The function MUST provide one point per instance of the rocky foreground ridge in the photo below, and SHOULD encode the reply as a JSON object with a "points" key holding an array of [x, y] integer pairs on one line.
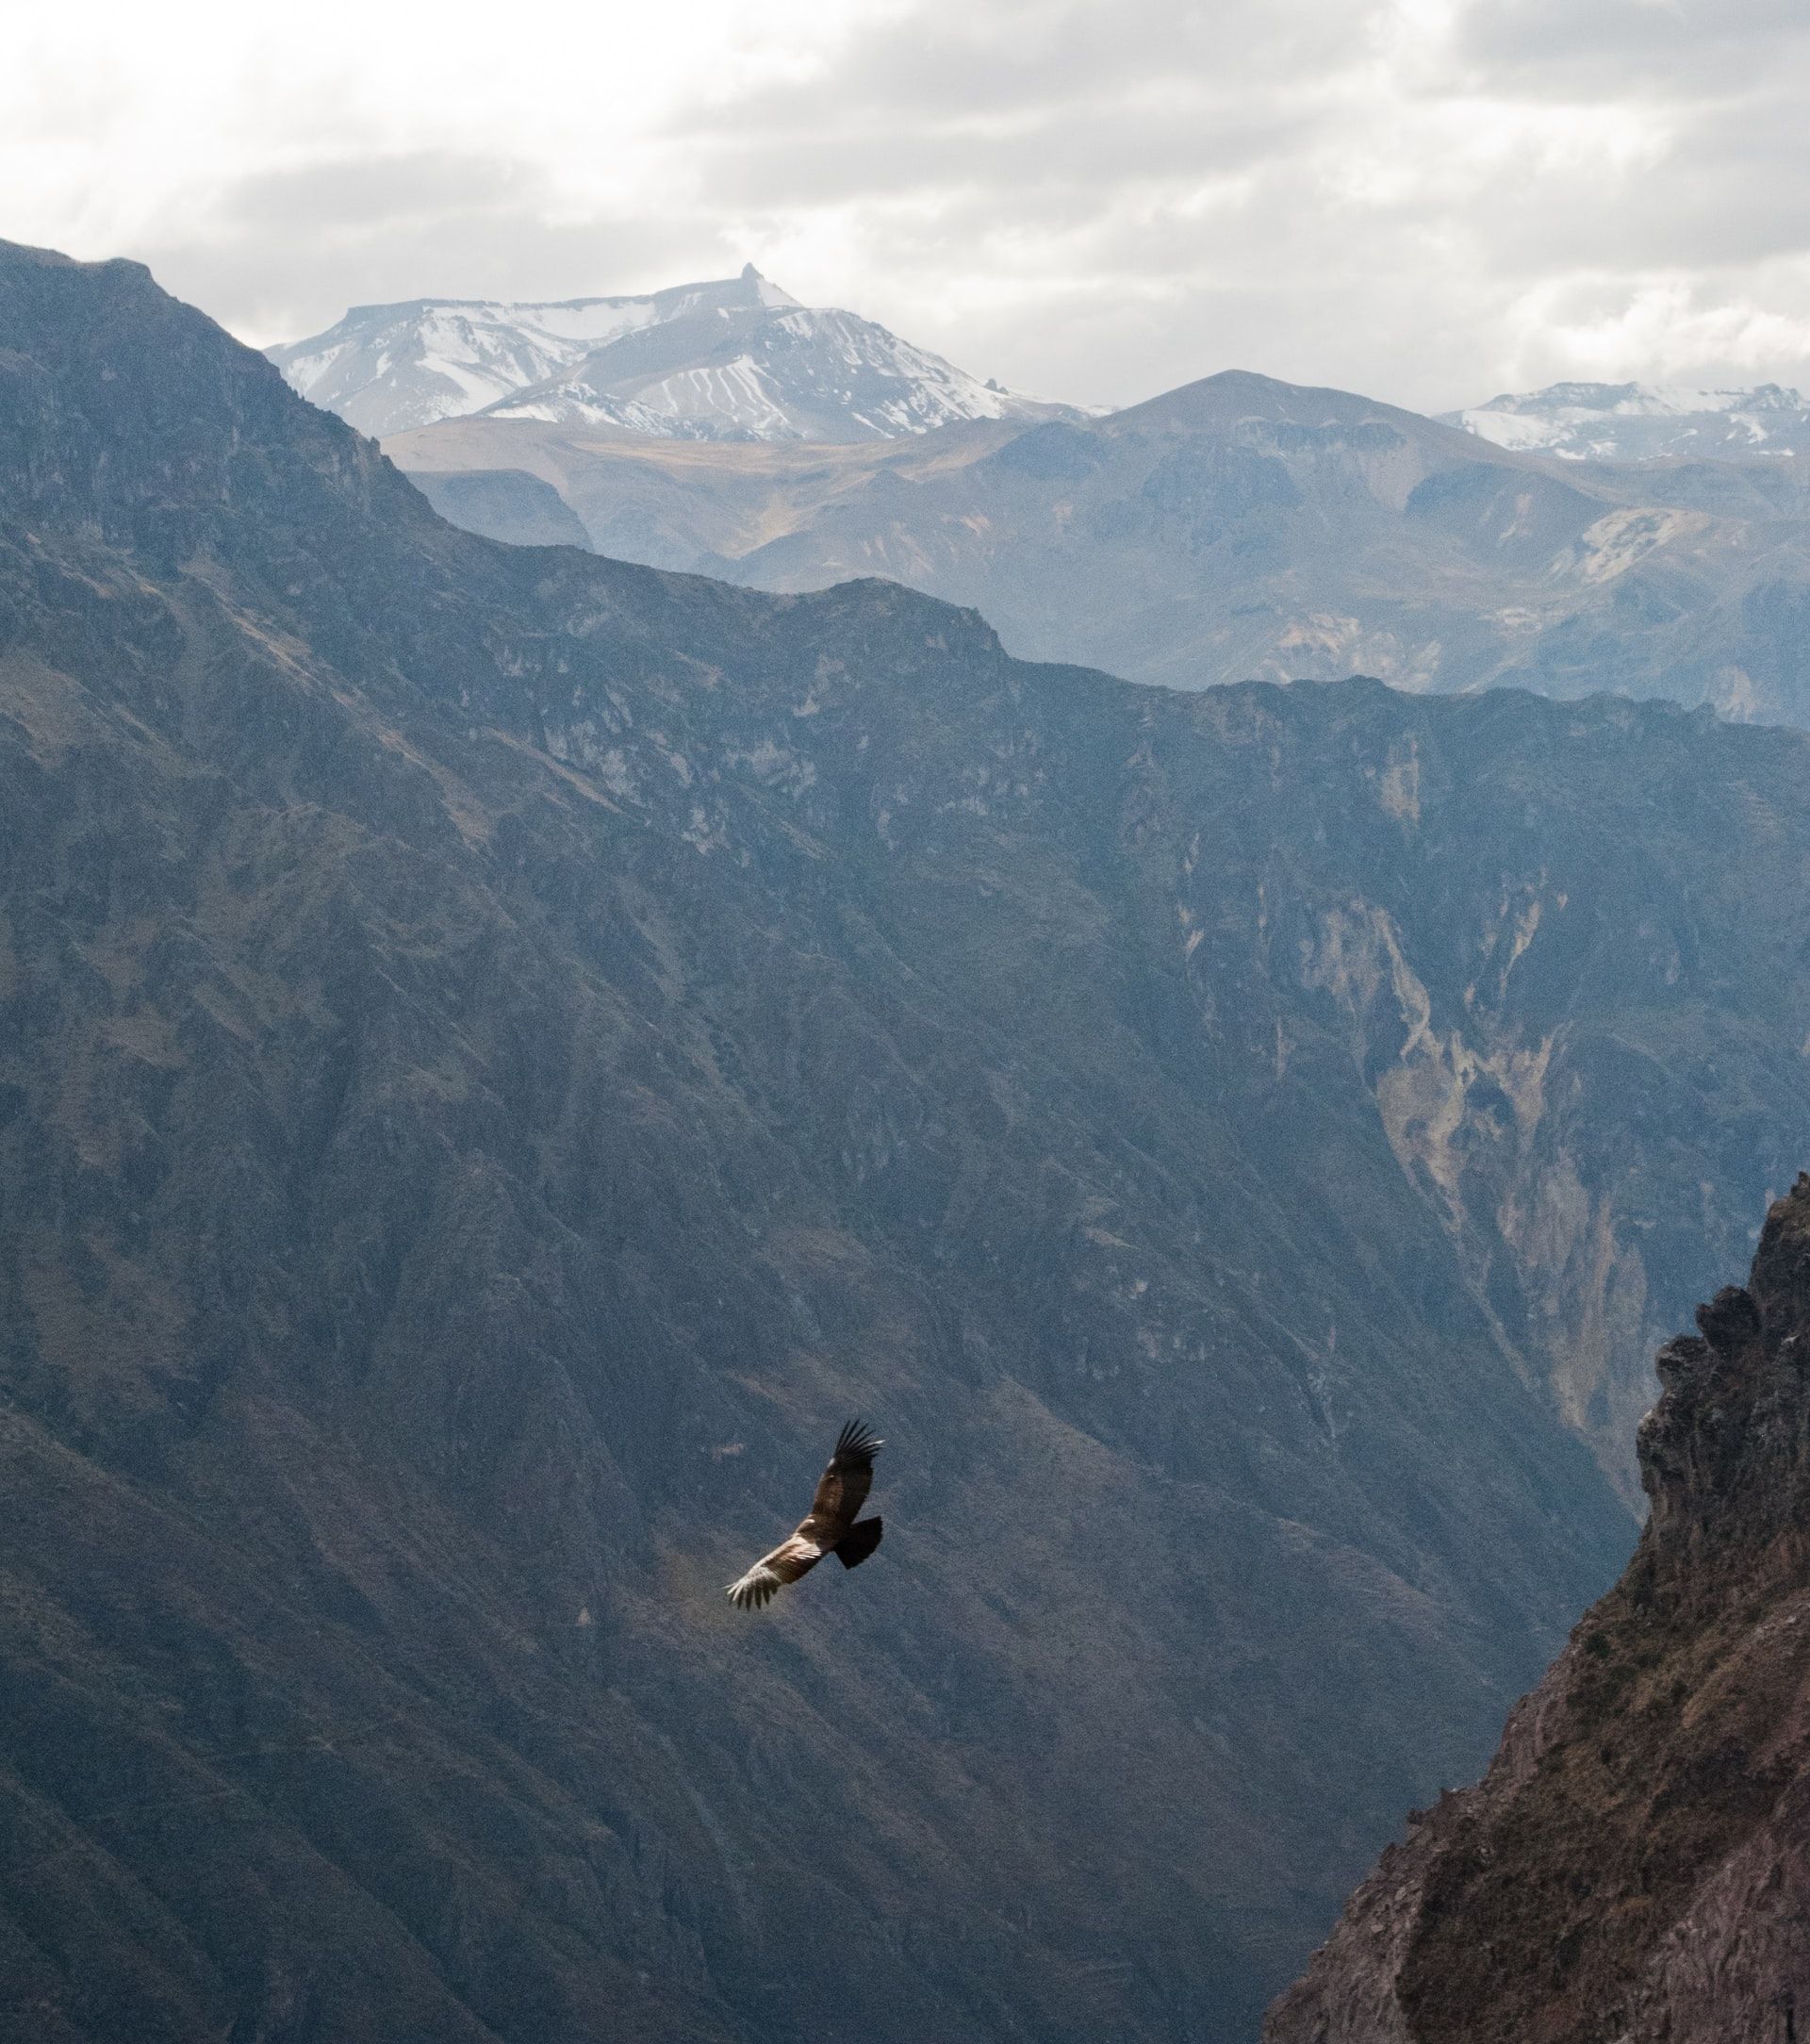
{"points": [[1635, 1869]]}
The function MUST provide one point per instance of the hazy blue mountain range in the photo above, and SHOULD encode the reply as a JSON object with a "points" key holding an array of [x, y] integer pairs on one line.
{"points": [[502, 1051], [738, 359], [1238, 528], [505, 501], [1636, 422]]}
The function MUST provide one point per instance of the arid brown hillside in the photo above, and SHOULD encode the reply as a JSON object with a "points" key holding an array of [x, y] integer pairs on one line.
{"points": [[1635, 1869]]}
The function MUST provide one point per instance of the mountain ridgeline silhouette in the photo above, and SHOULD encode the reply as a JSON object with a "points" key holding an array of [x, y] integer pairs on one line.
{"points": [[1239, 528]]}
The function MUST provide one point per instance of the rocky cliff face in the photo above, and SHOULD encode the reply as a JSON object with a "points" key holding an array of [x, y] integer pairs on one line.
{"points": [[1635, 1865], [501, 1053]]}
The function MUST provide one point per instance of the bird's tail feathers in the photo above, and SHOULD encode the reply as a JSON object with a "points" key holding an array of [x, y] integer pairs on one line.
{"points": [[857, 1542]]}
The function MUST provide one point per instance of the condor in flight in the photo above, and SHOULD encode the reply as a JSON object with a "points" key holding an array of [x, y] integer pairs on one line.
{"points": [[832, 1527]]}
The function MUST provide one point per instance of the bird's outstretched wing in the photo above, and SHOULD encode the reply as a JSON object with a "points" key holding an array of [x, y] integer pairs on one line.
{"points": [[842, 1490], [772, 1572]]}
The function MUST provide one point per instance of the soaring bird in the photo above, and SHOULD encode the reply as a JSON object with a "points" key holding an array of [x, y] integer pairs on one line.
{"points": [[832, 1527]]}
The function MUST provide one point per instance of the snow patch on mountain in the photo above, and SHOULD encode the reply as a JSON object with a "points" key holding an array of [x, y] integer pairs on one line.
{"points": [[735, 359], [1637, 421]]}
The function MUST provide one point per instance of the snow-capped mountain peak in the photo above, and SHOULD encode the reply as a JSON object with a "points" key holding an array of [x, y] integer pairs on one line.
{"points": [[771, 293], [738, 358], [1638, 421]]}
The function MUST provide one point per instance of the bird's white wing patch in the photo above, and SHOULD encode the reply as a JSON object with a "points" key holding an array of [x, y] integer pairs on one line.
{"points": [[754, 1588]]}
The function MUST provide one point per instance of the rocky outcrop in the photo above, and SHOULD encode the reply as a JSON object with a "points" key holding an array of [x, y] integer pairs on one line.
{"points": [[1634, 1868]]}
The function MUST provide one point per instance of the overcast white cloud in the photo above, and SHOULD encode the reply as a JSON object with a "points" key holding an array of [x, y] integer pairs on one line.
{"points": [[1428, 200]]}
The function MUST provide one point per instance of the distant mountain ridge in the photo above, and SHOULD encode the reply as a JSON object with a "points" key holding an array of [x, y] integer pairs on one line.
{"points": [[1637, 421], [1238, 527], [737, 359]]}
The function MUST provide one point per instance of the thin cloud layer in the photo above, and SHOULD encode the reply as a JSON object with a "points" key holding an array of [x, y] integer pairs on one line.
{"points": [[1429, 199]]}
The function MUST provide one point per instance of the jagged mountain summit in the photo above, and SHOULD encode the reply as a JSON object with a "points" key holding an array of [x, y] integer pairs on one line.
{"points": [[1635, 1865], [738, 359], [1637, 421]]}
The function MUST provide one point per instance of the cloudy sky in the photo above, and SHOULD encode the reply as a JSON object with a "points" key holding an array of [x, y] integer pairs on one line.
{"points": [[1426, 200]]}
